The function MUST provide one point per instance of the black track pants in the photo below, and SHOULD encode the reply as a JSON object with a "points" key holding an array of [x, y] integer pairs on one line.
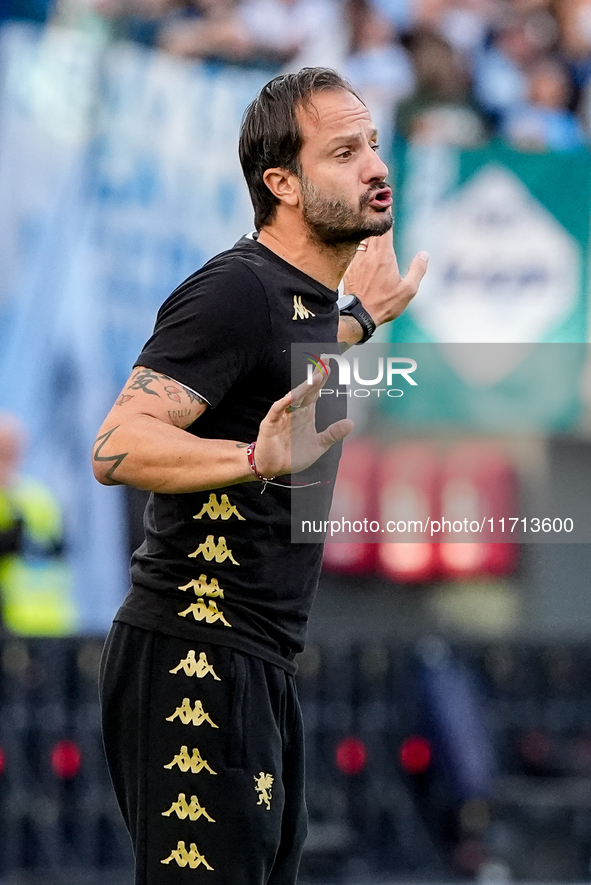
{"points": [[205, 749]]}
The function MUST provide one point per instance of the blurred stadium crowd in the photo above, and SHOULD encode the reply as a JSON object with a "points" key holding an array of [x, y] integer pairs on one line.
{"points": [[456, 72]]}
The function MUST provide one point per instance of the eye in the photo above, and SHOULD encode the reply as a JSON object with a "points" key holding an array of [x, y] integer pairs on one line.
{"points": [[344, 155], [375, 147]]}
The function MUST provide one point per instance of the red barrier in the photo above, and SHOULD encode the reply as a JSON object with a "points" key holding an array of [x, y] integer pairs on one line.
{"points": [[478, 490], [354, 500], [408, 498]]}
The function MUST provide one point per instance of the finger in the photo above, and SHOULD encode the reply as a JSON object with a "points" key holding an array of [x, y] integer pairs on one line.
{"points": [[308, 392], [417, 270], [335, 433], [303, 394]]}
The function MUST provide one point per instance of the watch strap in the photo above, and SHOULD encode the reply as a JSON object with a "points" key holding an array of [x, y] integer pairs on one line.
{"points": [[356, 310]]}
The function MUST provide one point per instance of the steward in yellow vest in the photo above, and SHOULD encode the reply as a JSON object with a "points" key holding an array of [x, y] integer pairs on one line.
{"points": [[35, 581]]}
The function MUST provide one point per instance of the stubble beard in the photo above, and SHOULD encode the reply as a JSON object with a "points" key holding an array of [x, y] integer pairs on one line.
{"points": [[334, 222]]}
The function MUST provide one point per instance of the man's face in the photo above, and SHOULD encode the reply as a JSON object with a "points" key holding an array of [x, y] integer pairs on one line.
{"points": [[344, 194]]}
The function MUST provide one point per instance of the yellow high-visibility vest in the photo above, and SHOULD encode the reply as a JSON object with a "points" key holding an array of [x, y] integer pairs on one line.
{"points": [[35, 583]]}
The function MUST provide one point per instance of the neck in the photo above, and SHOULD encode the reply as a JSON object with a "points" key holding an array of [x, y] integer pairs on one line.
{"points": [[293, 243]]}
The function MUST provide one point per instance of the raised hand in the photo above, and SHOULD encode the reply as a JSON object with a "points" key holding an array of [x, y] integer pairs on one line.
{"points": [[288, 440], [375, 278]]}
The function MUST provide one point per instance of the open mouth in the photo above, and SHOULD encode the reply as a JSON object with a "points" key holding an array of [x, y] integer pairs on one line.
{"points": [[381, 199]]}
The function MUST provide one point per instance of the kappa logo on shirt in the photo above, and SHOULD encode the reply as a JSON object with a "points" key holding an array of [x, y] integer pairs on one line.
{"points": [[300, 311], [210, 549], [214, 508]]}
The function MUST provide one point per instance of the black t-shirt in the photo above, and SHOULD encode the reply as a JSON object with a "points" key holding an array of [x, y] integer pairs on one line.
{"points": [[219, 565]]}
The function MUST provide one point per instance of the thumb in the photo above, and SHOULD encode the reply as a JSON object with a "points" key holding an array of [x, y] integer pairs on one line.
{"points": [[335, 433], [417, 270]]}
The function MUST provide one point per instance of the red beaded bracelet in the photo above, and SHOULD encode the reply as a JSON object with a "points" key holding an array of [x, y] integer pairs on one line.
{"points": [[268, 480], [252, 464]]}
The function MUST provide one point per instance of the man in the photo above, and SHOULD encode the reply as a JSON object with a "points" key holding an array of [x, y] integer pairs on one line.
{"points": [[201, 723], [35, 581]]}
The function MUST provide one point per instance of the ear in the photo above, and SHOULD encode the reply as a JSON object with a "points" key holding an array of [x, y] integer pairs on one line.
{"points": [[283, 185]]}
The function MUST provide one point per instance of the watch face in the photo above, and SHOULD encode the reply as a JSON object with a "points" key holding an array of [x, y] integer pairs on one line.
{"points": [[346, 301]]}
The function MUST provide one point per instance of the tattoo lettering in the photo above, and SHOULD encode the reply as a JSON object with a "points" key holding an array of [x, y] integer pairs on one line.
{"points": [[124, 398], [117, 459], [142, 380], [180, 414]]}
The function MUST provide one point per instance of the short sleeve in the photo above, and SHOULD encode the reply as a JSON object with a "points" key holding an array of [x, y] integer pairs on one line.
{"points": [[212, 330]]}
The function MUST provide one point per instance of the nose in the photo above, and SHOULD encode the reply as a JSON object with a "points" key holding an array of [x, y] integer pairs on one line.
{"points": [[375, 169]]}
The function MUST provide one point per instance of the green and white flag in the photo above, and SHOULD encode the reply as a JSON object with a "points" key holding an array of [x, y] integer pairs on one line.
{"points": [[508, 237]]}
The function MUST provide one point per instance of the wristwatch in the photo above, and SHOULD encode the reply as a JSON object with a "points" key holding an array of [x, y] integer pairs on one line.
{"points": [[351, 306]]}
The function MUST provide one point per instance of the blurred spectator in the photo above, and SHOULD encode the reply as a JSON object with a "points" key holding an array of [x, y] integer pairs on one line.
{"points": [[210, 29], [378, 66], [544, 121], [574, 17], [500, 78], [282, 32], [34, 580], [142, 21], [471, 63], [442, 109], [463, 23], [400, 12]]}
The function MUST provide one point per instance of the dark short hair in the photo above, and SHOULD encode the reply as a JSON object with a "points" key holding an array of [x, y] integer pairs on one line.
{"points": [[270, 135]]}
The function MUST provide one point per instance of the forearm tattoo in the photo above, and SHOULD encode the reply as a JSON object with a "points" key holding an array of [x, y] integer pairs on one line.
{"points": [[194, 397], [116, 459], [143, 379], [179, 415], [156, 384]]}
